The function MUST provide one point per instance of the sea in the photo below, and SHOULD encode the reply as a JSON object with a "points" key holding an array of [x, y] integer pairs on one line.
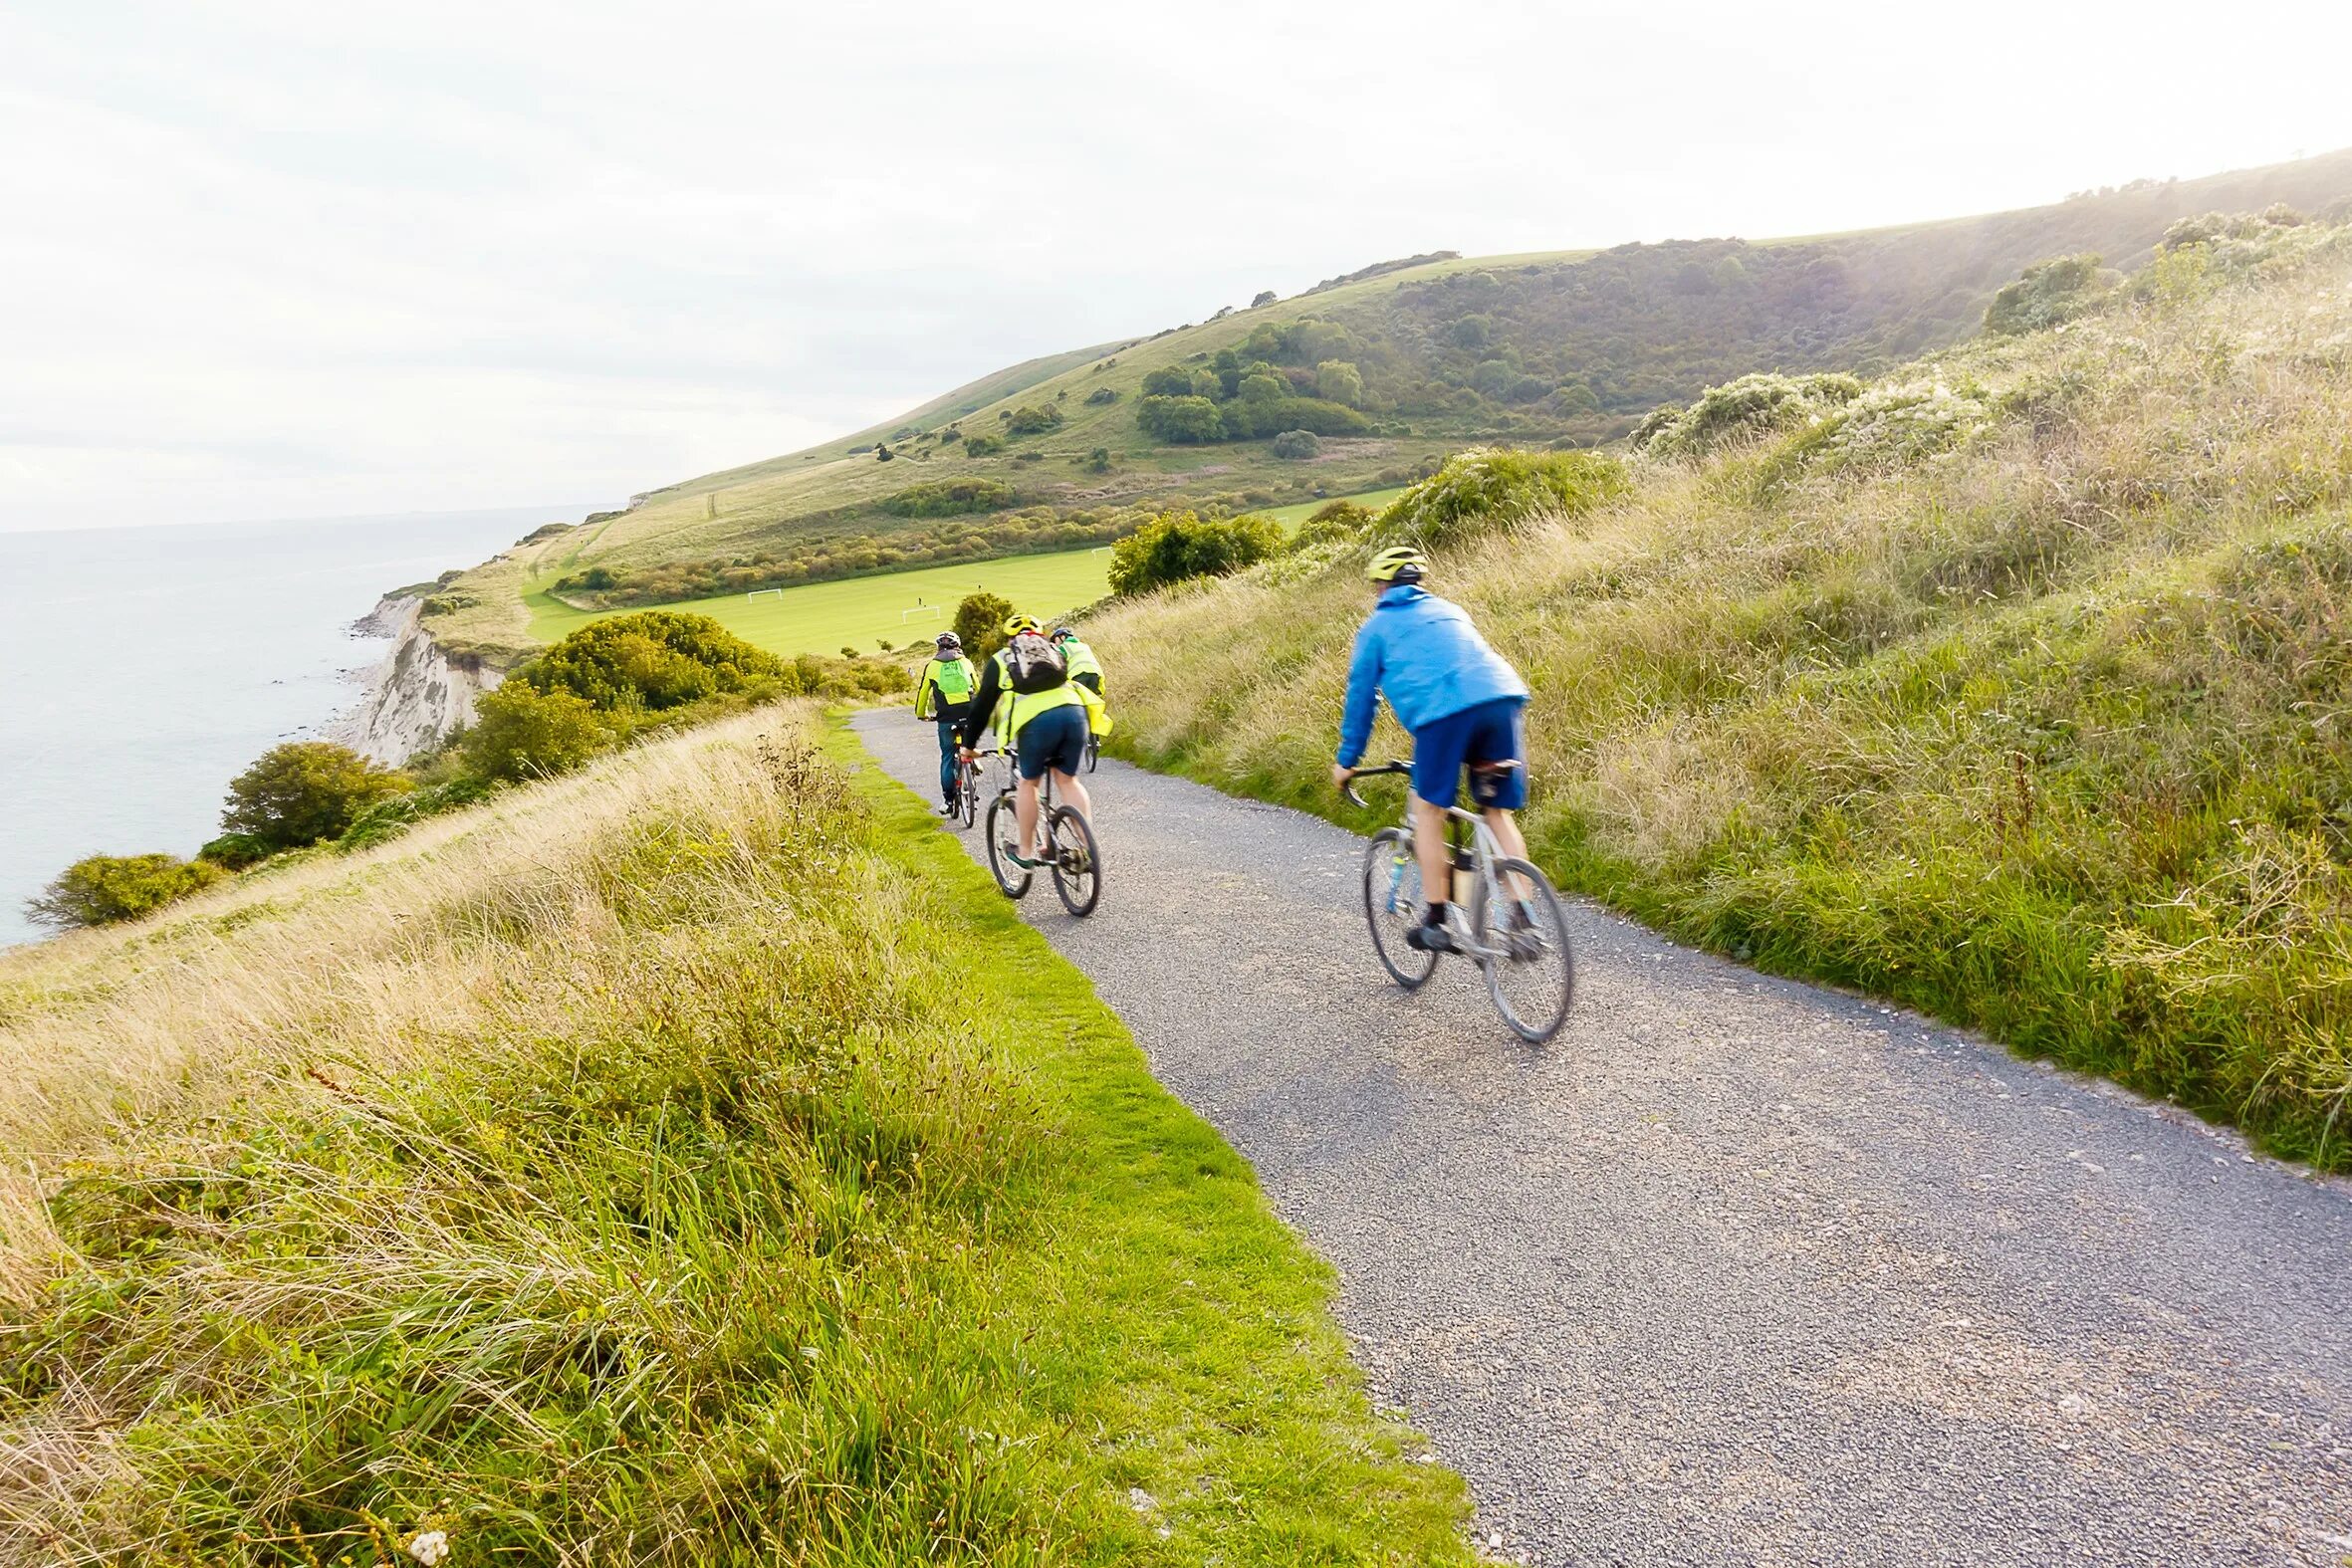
{"points": [[142, 668]]}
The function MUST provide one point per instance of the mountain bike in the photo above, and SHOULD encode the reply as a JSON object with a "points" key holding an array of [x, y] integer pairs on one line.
{"points": [[1068, 848], [1504, 915]]}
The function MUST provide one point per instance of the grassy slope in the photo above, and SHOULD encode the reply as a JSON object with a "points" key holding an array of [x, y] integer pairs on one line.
{"points": [[2043, 734], [1899, 290], [692, 1160], [824, 618]]}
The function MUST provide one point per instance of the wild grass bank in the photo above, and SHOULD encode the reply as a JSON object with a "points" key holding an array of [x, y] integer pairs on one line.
{"points": [[2014, 686], [690, 1159]]}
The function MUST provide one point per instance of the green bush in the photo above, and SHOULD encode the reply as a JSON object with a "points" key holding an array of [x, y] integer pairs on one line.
{"points": [[102, 889], [939, 498], [1339, 381], [387, 819], [1488, 487], [1340, 520], [1178, 546], [1169, 381], [1104, 395], [2047, 294], [1743, 409], [305, 790], [982, 445], [520, 732], [1246, 419], [651, 662], [1182, 420], [1297, 445], [1029, 419], [235, 851], [980, 624]]}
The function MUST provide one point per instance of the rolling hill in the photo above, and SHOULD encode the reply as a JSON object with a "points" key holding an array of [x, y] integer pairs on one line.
{"points": [[1417, 357]]}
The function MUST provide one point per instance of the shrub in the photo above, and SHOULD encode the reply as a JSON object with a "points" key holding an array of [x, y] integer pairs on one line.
{"points": [[938, 498], [1246, 418], [1179, 419], [1890, 428], [982, 445], [102, 889], [1099, 460], [1752, 405], [1028, 419], [882, 454], [1339, 381], [521, 732], [1340, 520], [2048, 293], [235, 851], [1169, 381], [389, 819], [1490, 487], [1178, 546], [1264, 296], [1104, 395], [305, 790], [980, 624], [651, 662], [1297, 445]]}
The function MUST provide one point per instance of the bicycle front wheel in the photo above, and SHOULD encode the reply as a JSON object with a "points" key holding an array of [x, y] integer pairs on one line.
{"points": [[1530, 973], [1392, 906], [1077, 861], [1003, 839]]}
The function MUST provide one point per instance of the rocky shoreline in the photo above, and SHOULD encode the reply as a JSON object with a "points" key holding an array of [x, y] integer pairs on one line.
{"points": [[417, 694]]}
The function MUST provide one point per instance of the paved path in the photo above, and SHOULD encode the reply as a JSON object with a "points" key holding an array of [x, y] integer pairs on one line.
{"points": [[1736, 1271]]}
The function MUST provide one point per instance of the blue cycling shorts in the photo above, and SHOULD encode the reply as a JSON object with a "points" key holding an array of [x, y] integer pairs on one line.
{"points": [[1054, 739], [1488, 733]]}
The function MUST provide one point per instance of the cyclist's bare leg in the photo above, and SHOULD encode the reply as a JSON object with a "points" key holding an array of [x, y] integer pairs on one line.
{"points": [[1025, 813], [1429, 848], [1505, 826], [1073, 793]]}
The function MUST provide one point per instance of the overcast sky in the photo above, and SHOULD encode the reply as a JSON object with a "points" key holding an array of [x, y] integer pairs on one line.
{"points": [[264, 260]]}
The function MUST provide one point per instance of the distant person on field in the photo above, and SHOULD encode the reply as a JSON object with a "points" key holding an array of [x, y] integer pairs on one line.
{"points": [[943, 695], [1084, 668], [1045, 721], [1460, 698]]}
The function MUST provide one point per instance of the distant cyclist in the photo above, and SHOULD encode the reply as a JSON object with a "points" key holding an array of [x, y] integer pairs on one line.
{"points": [[1460, 698], [943, 695], [1084, 667], [1045, 721]]}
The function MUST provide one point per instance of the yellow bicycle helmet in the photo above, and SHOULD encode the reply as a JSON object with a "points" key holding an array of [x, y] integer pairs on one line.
{"points": [[1015, 625], [1398, 563]]}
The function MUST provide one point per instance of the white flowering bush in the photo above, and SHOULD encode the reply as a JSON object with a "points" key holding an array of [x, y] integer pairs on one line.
{"points": [[1898, 425], [1754, 405]]}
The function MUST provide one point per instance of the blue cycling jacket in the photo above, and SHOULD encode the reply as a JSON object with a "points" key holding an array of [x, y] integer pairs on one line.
{"points": [[1430, 661]]}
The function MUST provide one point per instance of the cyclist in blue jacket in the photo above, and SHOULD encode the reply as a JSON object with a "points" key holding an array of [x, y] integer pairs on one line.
{"points": [[1460, 698]]}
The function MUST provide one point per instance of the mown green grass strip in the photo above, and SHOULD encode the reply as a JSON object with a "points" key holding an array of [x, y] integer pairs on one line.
{"points": [[1179, 1323]]}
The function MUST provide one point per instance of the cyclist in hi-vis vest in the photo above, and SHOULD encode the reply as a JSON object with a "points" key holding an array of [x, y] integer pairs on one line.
{"points": [[943, 695], [1084, 667], [1046, 725]]}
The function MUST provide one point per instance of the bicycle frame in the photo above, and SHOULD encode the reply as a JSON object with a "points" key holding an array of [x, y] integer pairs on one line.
{"points": [[1464, 830]]}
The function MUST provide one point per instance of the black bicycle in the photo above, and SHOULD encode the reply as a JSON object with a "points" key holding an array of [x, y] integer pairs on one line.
{"points": [[967, 800], [1067, 850], [1504, 915]]}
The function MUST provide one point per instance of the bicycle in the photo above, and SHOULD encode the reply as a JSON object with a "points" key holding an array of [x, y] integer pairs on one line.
{"points": [[1068, 849], [967, 802], [1529, 972]]}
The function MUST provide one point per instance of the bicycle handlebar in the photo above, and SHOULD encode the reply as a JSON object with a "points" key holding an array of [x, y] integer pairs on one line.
{"points": [[1381, 772]]}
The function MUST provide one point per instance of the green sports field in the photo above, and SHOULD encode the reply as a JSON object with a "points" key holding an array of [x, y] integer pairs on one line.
{"points": [[858, 613]]}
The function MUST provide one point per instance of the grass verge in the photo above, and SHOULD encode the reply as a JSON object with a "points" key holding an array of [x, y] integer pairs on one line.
{"points": [[691, 1160]]}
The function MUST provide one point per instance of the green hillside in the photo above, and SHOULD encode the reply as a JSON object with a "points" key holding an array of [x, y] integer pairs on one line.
{"points": [[1395, 365], [2011, 685]]}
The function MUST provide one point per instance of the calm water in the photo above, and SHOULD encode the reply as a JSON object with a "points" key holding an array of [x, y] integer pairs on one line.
{"points": [[142, 669]]}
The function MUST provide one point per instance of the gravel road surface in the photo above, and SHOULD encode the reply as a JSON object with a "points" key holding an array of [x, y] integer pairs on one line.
{"points": [[1736, 1271]]}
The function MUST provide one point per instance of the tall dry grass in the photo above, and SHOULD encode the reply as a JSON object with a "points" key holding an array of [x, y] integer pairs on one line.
{"points": [[2037, 723], [687, 1161]]}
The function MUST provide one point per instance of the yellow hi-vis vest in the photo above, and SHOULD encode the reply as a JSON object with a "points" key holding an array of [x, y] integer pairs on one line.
{"points": [[1015, 709]]}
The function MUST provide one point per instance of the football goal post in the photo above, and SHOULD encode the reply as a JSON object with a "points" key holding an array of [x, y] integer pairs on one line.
{"points": [[920, 613], [761, 593]]}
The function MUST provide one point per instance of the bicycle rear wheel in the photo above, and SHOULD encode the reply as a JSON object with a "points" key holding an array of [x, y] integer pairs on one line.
{"points": [[968, 795], [1093, 752], [1004, 833], [1077, 861], [1392, 906], [1531, 974]]}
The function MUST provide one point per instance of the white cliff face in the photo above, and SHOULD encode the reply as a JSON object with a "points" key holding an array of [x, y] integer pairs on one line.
{"points": [[416, 695]]}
